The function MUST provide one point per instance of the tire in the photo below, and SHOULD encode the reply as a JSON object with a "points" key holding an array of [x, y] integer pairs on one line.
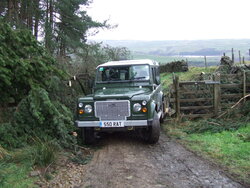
{"points": [[88, 135], [163, 112], [152, 134]]}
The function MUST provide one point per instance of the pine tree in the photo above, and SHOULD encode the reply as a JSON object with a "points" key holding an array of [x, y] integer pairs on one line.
{"points": [[61, 23], [73, 25]]}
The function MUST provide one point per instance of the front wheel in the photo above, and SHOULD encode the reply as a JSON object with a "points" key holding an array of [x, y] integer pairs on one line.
{"points": [[152, 134]]}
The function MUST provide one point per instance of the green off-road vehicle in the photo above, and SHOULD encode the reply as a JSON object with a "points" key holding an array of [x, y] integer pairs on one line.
{"points": [[127, 95]]}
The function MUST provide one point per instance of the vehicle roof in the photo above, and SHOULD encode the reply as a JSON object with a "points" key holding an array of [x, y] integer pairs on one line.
{"points": [[130, 62]]}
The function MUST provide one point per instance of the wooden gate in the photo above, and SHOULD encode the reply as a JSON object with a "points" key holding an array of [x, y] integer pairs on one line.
{"points": [[207, 98]]}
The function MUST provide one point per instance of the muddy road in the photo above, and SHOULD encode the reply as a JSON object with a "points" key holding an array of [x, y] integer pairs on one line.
{"points": [[125, 161]]}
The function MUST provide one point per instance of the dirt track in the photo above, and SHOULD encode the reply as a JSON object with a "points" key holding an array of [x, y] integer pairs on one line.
{"points": [[125, 161]]}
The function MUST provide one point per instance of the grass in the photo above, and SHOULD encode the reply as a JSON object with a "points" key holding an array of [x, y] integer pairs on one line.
{"points": [[246, 62], [167, 78], [16, 165], [230, 148], [16, 175], [15, 169]]}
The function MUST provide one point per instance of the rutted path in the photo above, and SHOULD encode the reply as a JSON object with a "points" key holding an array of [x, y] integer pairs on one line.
{"points": [[125, 161]]}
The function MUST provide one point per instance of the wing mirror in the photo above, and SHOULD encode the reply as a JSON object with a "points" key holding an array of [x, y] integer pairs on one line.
{"points": [[157, 80]]}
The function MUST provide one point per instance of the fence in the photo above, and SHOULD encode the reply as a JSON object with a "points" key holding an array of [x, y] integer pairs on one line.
{"points": [[208, 98]]}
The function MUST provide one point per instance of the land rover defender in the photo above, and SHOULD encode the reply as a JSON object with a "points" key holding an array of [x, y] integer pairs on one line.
{"points": [[127, 96]]}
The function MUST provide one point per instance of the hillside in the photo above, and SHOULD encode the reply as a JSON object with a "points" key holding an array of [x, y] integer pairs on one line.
{"points": [[192, 50]]}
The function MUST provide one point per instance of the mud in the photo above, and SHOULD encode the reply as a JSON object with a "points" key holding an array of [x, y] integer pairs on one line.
{"points": [[125, 161]]}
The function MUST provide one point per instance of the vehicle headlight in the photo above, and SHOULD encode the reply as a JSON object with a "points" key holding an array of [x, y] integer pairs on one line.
{"points": [[144, 103], [80, 105], [137, 107], [88, 108]]}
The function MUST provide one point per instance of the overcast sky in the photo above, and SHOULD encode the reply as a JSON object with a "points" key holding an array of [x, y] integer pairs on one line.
{"points": [[172, 19]]}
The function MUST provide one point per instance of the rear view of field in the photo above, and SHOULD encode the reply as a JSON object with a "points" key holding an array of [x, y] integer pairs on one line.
{"points": [[125, 161]]}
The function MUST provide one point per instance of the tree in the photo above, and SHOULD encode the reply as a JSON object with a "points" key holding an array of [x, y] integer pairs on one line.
{"points": [[30, 81], [117, 53], [73, 25], [62, 24], [23, 64]]}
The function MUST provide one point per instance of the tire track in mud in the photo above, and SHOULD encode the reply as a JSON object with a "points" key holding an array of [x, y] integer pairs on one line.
{"points": [[125, 161]]}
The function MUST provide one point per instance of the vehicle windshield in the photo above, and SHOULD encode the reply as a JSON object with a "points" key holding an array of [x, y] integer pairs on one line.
{"points": [[123, 73]]}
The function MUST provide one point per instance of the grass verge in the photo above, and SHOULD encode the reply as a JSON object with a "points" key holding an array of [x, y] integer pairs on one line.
{"points": [[16, 175], [230, 149], [16, 165]]}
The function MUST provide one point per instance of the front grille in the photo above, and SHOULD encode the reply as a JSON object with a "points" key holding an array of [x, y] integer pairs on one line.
{"points": [[112, 110]]}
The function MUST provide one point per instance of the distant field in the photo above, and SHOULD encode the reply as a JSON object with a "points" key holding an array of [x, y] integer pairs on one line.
{"points": [[192, 50], [174, 47], [197, 61]]}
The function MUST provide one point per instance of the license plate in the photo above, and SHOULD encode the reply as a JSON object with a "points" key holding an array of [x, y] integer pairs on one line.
{"points": [[111, 124]]}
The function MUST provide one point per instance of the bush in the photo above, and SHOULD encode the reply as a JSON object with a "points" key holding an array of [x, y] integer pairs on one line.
{"points": [[3, 153], [233, 120], [24, 63], [28, 75], [8, 136], [213, 126], [41, 153], [44, 152], [175, 66], [38, 116]]}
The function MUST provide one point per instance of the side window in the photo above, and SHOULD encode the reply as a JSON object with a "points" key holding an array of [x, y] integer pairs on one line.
{"points": [[156, 75]]}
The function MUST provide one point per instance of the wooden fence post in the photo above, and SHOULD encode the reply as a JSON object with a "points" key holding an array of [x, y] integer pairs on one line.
{"points": [[217, 94], [244, 85], [177, 96]]}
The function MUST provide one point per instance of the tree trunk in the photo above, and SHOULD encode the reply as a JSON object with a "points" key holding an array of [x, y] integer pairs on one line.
{"points": [[29, 15], [10, 10], [16, 10], [47, 31], [49, 26], [51, 14], [3, 6], [37, 17], [23, 11]]}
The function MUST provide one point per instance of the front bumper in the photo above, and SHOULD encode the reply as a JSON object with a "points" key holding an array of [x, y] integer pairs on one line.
{"points": [[127, 123]]}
